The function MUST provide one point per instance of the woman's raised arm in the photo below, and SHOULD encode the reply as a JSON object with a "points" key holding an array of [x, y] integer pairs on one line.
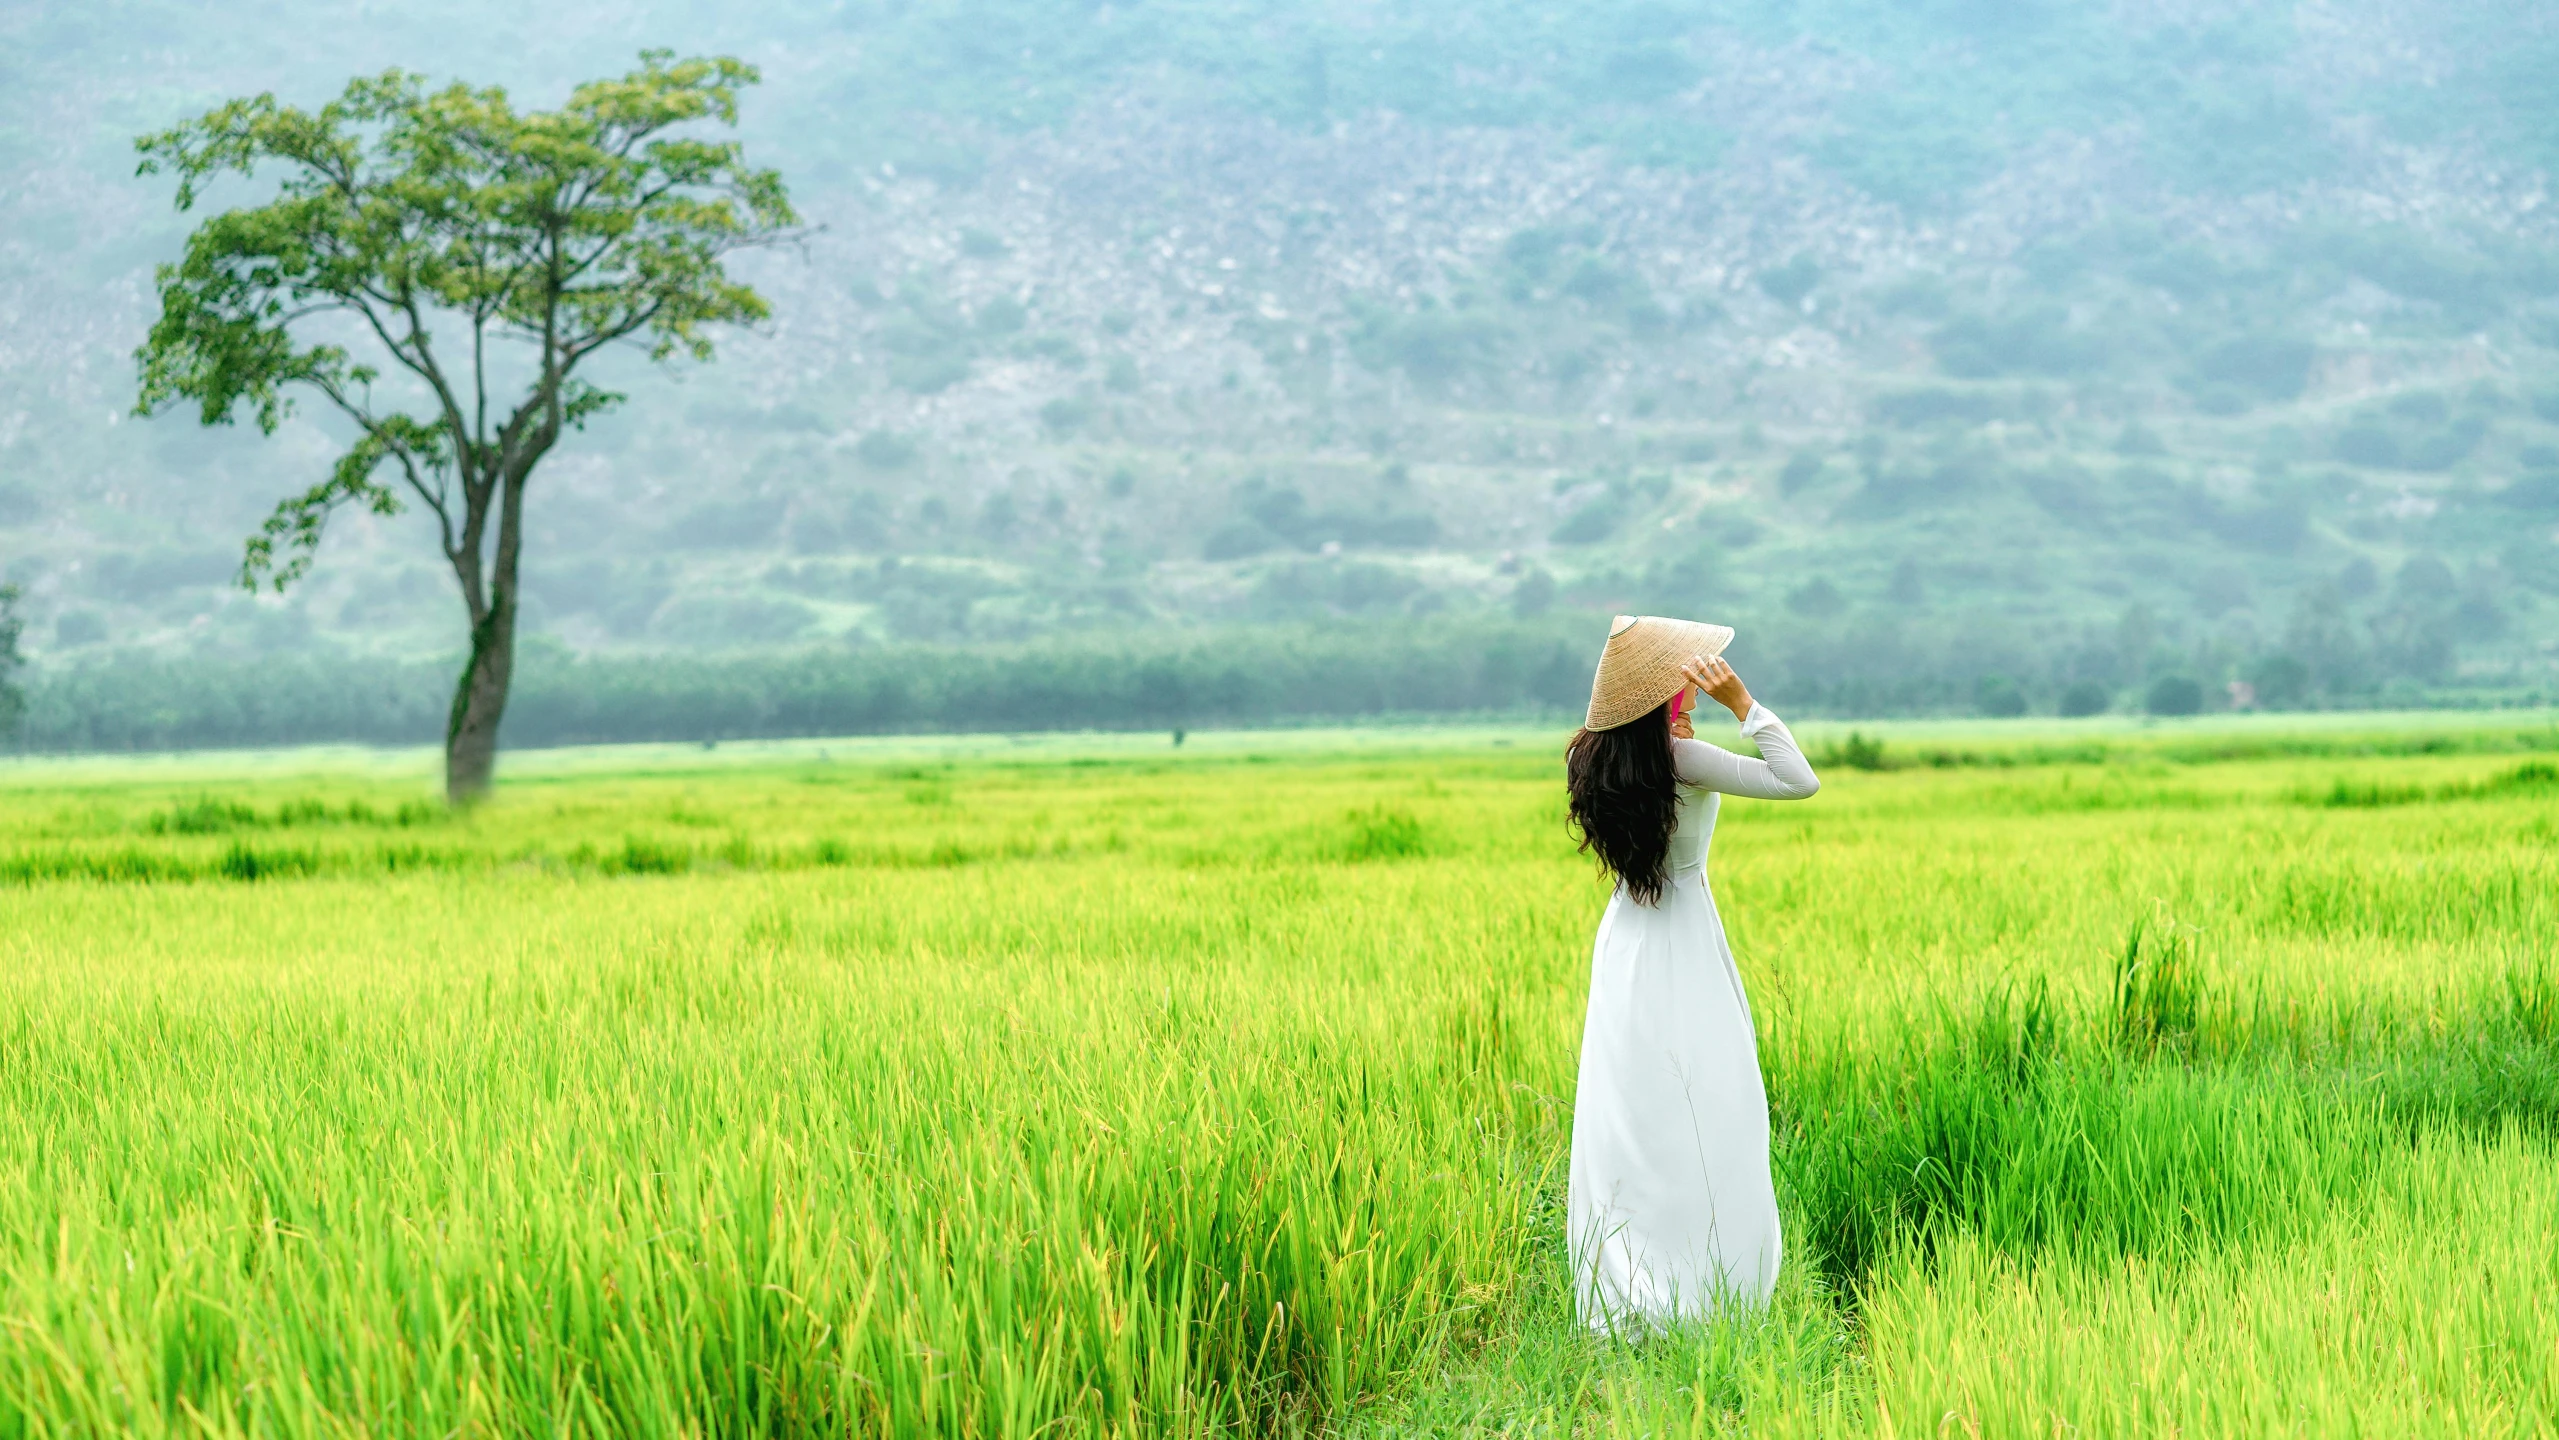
{"points": [[1783, 775]]}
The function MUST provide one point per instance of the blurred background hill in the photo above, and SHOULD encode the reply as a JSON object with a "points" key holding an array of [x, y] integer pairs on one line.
{"points": [[1164, 363]]}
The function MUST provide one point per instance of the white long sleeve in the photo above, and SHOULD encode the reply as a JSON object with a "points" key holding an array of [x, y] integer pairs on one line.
{"points": [[1784, 775]]}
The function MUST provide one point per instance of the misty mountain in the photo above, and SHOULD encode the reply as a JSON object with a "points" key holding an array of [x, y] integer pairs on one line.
{"points": [[2024, 343]]}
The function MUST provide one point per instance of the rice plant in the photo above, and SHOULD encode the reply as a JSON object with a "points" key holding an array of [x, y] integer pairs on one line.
{"points": [[1227, 1090]]}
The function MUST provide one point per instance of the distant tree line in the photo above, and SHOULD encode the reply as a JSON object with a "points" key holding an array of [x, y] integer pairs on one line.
{"points": [[13, 702], [2353, 643], [1843, 666], [1219, 678]]}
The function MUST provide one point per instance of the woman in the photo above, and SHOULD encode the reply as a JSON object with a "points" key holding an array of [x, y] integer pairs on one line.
{"points": [[1671, 1207]]}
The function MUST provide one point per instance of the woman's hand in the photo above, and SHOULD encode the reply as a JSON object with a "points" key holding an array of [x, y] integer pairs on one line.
{"points": [[1712, 675], [1680, 729]]}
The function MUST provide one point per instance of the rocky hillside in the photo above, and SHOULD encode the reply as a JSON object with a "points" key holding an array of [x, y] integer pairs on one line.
{"points": [[1998, 339]]}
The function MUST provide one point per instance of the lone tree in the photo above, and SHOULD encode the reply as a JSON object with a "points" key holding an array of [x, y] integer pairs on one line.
{"points": [[487, 253]]}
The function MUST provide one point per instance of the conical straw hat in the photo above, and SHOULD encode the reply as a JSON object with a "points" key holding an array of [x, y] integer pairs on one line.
{"points": [[1640, 667]]}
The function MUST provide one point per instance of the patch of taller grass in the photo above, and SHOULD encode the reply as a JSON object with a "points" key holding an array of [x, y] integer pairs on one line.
{"points": [[2172, 1119]]}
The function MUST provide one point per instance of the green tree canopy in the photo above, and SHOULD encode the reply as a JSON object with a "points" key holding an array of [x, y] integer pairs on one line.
{"points": [[437, 266]]}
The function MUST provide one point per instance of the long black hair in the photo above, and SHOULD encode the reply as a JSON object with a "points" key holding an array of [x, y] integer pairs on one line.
{"points": [[1625, 799]]}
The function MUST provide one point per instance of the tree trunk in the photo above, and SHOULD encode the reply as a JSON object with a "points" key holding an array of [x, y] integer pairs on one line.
{"points": [[479, 702]]}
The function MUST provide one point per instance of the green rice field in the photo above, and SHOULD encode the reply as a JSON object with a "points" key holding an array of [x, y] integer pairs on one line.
{"points": [[2197, 1080]]}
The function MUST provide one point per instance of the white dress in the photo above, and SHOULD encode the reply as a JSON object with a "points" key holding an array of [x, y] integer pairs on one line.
{"points": [[1670, 1204]]}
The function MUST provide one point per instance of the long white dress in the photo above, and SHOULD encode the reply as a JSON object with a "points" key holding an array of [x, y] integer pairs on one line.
{"points": [[1671, 1207]]}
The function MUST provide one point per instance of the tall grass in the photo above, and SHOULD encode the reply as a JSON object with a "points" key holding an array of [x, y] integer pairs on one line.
{"points": [[1229, 1095], [747, 1176]]}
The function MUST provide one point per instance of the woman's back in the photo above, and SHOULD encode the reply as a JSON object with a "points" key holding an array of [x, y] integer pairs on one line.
{"points": [[1695, 831]]}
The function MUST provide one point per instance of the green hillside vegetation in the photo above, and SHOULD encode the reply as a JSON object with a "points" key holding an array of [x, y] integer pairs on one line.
{"points": [[1965, 356]]}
